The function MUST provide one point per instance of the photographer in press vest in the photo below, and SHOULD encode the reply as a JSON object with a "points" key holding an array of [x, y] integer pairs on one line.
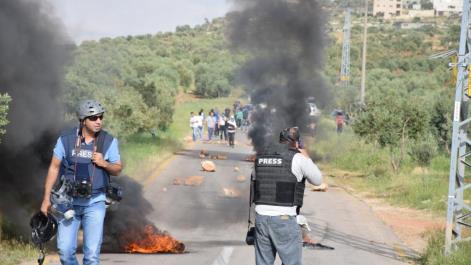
{"points": [[85, 157], [278, 183]]}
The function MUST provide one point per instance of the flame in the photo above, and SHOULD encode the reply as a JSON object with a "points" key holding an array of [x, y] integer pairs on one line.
{"points": [[152, 241]]}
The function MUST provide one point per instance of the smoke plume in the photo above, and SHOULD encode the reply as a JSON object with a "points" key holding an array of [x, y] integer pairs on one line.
{"points": [[285, 40], [33, 52]]}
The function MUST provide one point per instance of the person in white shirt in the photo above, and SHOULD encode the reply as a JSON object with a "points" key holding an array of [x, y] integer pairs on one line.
{"points": [[231, 127], [278, 183], [194, 126], [222, 127]]}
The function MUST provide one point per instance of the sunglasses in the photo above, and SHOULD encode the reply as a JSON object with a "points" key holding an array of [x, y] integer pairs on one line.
{"points": [[95, 118]]}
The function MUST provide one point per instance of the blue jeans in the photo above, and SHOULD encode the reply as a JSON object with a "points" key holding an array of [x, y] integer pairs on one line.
{"points": [[277, 234], [91, 217], [210, 133], [195, 133]]}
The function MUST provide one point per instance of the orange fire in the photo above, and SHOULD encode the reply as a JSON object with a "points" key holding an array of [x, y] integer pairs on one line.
{"points": [[154, 242]]}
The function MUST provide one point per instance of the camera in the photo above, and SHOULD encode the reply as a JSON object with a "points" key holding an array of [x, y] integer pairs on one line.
{"points": [[61, 199], [250, 237], [82, 189], [114, 192]]}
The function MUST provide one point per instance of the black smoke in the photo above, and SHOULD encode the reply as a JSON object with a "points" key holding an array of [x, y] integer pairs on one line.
{"points": [[33, 53], [285, 39]]}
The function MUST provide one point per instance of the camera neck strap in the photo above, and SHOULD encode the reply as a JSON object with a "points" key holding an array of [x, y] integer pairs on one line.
{"points": [[78, 147]]}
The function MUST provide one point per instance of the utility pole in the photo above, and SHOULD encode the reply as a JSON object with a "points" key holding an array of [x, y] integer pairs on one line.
{"points": [[459, 211], [345, 67], [363, 59]]}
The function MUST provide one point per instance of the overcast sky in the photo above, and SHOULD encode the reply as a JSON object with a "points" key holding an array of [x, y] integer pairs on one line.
{"points": [[92, 19]]}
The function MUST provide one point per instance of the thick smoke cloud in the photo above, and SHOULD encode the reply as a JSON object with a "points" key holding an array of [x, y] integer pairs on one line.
{"points": [[33, 52], [33, 55], [285, 40]]}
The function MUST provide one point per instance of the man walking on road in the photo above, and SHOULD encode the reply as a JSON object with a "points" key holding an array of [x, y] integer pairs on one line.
{"points": [[87, 156], [231, 130], [211, 123], [278, 187], [194, 126]]}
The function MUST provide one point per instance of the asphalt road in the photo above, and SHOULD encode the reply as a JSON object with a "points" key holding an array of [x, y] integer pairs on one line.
{"points": [[213, 226]]}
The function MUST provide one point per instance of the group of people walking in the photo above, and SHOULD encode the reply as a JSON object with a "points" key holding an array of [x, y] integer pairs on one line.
{"points": [[220, 125]]}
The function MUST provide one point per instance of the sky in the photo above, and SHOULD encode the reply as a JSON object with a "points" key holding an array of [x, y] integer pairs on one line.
{"points": [[93, 19]]}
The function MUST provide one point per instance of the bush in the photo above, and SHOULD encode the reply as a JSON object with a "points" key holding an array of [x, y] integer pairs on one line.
{"points": [[423, 151]]}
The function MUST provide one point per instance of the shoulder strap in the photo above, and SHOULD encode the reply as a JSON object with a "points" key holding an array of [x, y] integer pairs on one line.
{"points": [[102, 139]]}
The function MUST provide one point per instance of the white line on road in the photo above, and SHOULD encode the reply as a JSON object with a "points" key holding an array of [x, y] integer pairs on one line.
{"points": [[224, 257]]}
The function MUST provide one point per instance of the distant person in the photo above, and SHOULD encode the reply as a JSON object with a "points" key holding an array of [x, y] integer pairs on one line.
{"points": [[216, 118], [245, 119], [239, 117], [200, 124], [211, 124], [194, 126], [222, 127], [340, 121], [231, 130], [227, 112]]}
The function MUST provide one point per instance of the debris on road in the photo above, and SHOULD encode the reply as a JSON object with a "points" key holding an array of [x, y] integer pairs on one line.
{"points": [[221, 157], [218, 157], [177, 181], [230, 192], [323, 187], [164, 189], [194, 181], [250, 158], [241, 178], [204, 153], [208, 166], [236, 169]]}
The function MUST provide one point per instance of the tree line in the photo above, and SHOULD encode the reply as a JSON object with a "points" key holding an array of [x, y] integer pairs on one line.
{"points": [[138, 77], [408, 95]]}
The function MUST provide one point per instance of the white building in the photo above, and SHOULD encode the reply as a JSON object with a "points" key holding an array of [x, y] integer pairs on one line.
{"points": [[387, 8], [446, 7]]}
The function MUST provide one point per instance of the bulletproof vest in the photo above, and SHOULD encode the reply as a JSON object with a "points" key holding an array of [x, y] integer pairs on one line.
{"points": [[78, 165], [274, 183]]}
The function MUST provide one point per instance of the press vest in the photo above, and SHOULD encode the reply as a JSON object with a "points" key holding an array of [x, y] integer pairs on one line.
{"points": [[78, 161], [274, 182]]}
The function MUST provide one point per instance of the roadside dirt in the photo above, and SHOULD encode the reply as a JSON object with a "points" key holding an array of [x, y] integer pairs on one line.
{"points": [[410, 225]]}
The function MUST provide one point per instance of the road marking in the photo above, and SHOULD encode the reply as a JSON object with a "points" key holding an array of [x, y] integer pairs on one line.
{"points": [[159, 170], [224, 257]]}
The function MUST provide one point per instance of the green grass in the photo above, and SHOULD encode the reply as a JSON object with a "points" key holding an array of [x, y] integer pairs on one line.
{"points": [[142, 153], [14, 252], [434, 254], [412, 186], [369, 170]]}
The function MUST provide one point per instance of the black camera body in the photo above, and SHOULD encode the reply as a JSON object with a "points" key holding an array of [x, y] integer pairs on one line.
{"points": [[250, 238], [114, 192], [82, 189]]}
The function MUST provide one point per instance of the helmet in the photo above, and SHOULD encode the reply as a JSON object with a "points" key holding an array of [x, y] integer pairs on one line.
{"points": [[89, 108], [290, 134], [44, 228]]}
